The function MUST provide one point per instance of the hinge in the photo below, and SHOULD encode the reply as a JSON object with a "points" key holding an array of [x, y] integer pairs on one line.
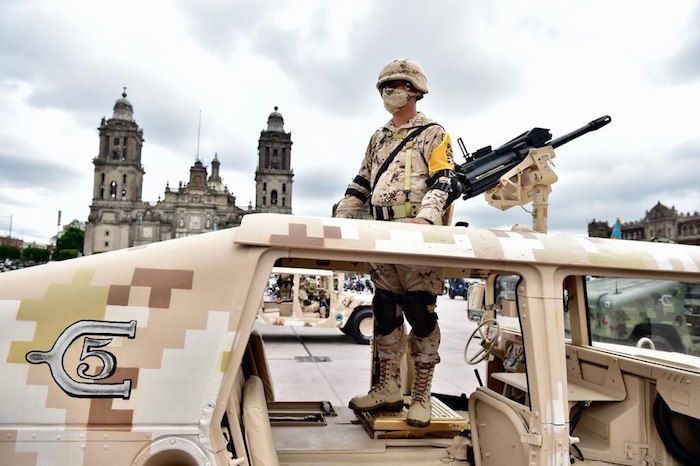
{"points": [[633, 449], [531, 438]]}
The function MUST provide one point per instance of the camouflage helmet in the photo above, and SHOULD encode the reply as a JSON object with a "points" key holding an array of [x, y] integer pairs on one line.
{"points": [[404, 70]]}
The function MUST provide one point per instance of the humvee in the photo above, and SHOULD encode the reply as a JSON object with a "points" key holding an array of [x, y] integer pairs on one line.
{"points": [[147, 356], [325, 304]]}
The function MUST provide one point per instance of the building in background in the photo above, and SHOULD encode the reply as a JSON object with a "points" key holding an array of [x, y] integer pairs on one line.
{"points": [[119, 218], [13, 242], [273, 177], [660, 223]]}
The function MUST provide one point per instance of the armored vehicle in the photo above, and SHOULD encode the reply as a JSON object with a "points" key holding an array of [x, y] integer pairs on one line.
{"points": [[147, 356], [317, 298]]}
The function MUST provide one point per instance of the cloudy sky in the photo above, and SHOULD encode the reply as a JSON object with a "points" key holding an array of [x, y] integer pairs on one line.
{"points": [[495, 69]]}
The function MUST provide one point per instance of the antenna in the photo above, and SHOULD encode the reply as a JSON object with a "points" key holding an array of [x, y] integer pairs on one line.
{"points": [[199, 132]]}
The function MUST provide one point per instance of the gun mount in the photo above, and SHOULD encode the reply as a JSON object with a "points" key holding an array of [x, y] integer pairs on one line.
{"points": [[518, 172]]}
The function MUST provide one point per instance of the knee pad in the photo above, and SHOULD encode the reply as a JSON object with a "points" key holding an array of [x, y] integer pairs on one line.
{"points": [[386, 315], [415, 307]]}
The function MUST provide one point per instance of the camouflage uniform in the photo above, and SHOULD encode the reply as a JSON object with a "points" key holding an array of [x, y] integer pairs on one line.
{"points": [[430, 153], [427, 159], [304, 302]]}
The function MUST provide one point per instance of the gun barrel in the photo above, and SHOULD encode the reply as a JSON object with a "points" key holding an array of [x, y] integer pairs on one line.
{"points": [[592, 126]]}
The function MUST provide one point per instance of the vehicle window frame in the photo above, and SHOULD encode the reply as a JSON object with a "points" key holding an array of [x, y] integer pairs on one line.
{"points": [[658, 328], [582, 335]]}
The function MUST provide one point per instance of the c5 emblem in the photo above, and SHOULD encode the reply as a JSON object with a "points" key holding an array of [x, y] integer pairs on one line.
{"points": [[54, 359]]}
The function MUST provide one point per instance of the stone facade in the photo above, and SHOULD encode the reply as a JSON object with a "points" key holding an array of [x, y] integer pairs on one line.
{"points": [[659, 223], [273, 178], [120, 219]]}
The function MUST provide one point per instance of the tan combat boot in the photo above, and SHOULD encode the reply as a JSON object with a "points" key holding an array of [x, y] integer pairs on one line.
{"points": [[425, 356], [419, 411], [386, 393]]}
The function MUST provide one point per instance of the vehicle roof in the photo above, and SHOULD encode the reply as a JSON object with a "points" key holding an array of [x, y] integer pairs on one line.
{"points": [[411, 240]]}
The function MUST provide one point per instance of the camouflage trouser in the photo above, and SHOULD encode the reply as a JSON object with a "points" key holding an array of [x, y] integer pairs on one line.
{"points": [[425, 350], [392, 346], [402, 278]]}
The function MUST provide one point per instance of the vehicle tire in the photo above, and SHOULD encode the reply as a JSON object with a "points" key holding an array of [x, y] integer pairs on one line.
{"points": [[679, 433], [361, 326], [661, 343], [452, 294]]}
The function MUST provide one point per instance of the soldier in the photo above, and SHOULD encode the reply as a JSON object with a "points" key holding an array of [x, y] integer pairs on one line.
{"points": [[324, 304], [305, 302], [407, 175], [284, 285]]}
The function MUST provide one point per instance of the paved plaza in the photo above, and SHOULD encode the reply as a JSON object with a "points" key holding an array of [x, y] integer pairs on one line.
{"points": [[318, 363]]}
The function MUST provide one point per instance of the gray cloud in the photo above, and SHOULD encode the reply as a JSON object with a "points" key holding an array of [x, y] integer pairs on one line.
{"points": [[22, 172], [629, 175], [684, 64], [7, 204], [43, 50], [327, 185], [222, 25], [467, 77]]}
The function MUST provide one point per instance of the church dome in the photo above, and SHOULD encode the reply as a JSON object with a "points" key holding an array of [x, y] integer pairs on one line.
{"points": [[123, 110], [275, 122]]}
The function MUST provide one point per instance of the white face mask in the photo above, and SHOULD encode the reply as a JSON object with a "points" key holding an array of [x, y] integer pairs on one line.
{"points": [[394, 99]]}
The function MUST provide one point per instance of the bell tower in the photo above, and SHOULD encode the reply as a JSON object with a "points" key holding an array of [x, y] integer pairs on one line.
{"points": [[273, 177], [118, 180], [118, 169]]}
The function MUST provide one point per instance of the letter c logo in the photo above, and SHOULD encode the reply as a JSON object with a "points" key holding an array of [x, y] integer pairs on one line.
{"points": [[54, 359]]}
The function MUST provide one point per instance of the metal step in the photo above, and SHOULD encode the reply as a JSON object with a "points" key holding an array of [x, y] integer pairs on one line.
{"points": [[444, 422]]}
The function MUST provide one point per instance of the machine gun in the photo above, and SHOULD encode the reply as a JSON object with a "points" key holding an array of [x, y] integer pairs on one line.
{"points": [[519, 171]]}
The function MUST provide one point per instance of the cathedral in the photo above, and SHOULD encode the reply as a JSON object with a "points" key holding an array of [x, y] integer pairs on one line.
{"points": [[660, 223], [119, 218]]}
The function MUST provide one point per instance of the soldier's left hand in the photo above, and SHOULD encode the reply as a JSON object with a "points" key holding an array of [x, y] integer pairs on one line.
{"points": [[418, 220]]}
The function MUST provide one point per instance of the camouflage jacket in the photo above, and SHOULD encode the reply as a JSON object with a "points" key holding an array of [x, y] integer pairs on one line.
{"points": [[432, 171]]}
